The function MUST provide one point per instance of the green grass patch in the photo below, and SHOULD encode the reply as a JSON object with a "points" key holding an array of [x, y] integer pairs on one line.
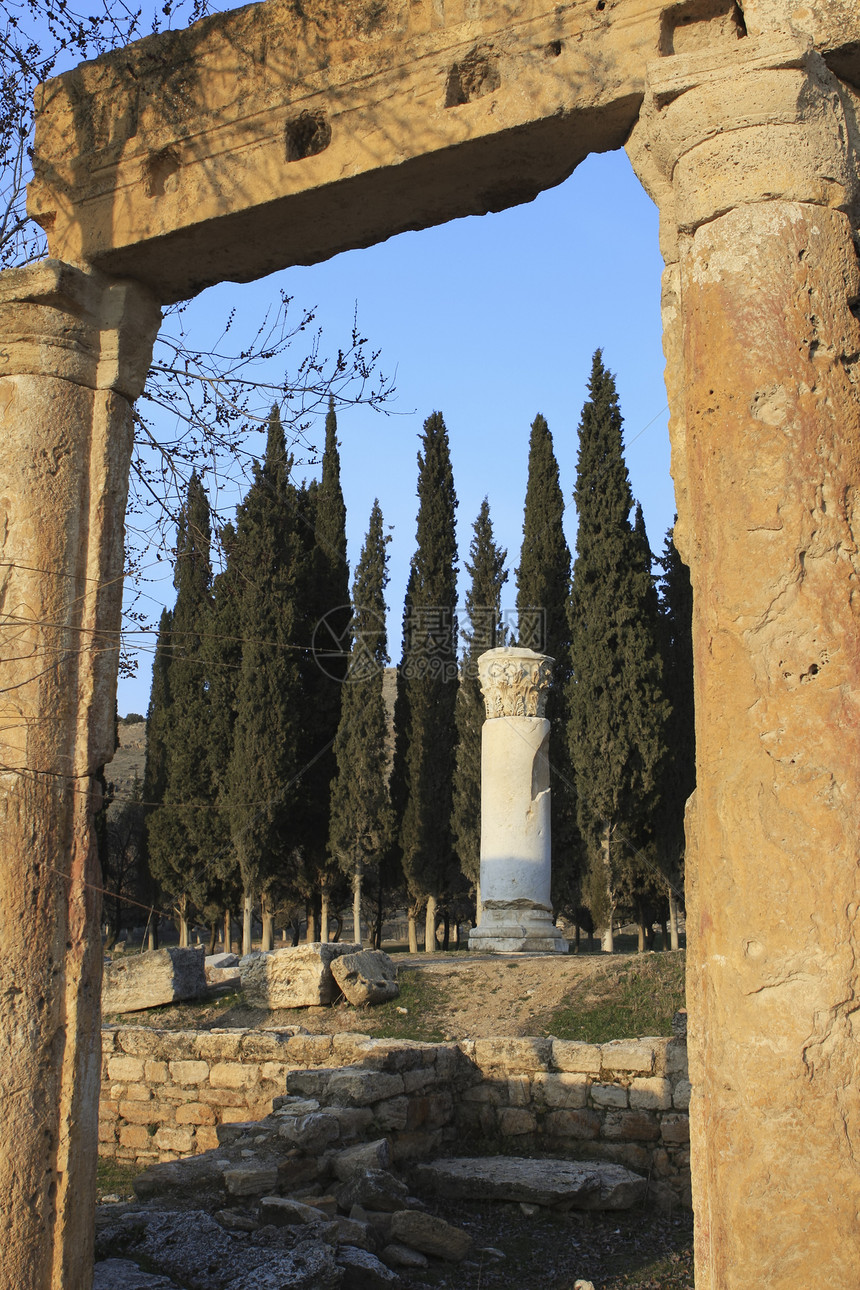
{"points": [[115, 1178], [422, 996], [630, 997]]}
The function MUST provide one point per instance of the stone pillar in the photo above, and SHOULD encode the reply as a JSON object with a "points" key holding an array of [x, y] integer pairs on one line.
{"points": [[515, 806], [74, 351], [763, 369]]}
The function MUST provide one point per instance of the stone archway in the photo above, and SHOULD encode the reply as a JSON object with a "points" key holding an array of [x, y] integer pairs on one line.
{"points": [[263, 138]]}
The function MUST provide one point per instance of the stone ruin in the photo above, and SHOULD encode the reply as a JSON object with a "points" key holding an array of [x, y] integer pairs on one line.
{"points": [[278, 135]]}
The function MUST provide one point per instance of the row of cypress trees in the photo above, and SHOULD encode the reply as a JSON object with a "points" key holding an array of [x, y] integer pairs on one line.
{"points": [[268, 764]]}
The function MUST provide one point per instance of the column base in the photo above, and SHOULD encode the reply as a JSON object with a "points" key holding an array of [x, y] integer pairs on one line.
{"points": [[515, 930]]}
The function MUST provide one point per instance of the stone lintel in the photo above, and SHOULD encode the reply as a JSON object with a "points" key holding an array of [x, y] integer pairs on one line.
{"points": [[271, 136]]}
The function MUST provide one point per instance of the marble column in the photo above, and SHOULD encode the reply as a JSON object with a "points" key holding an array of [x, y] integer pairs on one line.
{"points": [[763, 367], [516, 843], [74, 351]]}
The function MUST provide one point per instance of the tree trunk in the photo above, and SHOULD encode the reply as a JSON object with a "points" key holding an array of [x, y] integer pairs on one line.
{"points": [[268, 941], [641, 930], [673, 919], [446, 930], [324, 916], [576, 938], [430, 926], [607, 940], [153, 935], [311, 934], [228, 933], [356, 904], [184, 929], [247, 925], [213, 937], [413, 934]]}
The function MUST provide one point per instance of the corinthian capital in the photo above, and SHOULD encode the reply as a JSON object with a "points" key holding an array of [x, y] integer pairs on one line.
{"points": [[514, 681]]}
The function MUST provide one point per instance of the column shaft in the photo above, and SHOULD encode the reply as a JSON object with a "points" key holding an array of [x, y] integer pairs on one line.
{"points": [[74, 352]]}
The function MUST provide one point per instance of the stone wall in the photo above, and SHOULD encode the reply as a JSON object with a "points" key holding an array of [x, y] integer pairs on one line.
{"points": [[167, 1094]]}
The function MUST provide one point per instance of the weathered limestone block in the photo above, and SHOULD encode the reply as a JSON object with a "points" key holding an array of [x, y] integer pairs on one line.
{"points": [[651, 1094], [74, 351], [368, 976], [608, 1095], [568, 1055], [628, 1056], [133, 983], [253, 1179], [555, 1183], [295, 977], [359, 1159], [353, 1087], [567, 1091], [517, 1055]]}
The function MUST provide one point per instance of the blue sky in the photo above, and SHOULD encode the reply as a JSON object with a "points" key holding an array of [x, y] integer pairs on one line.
{"points": [[489, 320]]}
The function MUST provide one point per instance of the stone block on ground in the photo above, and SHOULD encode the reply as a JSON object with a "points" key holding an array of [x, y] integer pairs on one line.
{"points": [[140, 981], [561, 1184], [430, 1235], [367, 976], [296, 977]]}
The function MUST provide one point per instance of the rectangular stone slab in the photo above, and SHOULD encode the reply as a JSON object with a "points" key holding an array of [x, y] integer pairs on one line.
{"points": [[562, 1184]]}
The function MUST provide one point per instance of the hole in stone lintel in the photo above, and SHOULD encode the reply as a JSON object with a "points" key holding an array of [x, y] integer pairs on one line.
{"points": [[159, 170], [307, 135], [474, 76]]}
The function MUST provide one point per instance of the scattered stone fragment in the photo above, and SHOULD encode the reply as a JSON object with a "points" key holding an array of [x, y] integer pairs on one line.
{"points": [[368, 976], [296, 977], [561, 1184], [280, 1211], [139, 981], [583, 1285], [236, 1220], [430, 1235], [396, 1255], [351, 1231], [364, 1271], [374, 1189], [221, 961]]}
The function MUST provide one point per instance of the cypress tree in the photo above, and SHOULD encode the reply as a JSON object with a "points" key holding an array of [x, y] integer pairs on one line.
{"points": [[155, 765], [616, 699], [430, 676], [181, 835], [361, 818], [263, 775], [223, 652], [327, 611], [483, 630], [679, 773]]}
